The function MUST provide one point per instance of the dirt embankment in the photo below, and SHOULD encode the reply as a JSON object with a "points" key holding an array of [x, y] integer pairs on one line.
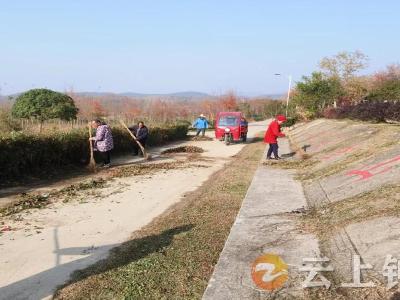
{"points": [[350, 173]]}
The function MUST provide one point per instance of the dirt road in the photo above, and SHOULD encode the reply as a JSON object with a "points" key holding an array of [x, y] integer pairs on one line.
{"points": [[47, 244]]}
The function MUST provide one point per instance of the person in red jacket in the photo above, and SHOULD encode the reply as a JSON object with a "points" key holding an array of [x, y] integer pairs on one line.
{"points": [[272, 134]]}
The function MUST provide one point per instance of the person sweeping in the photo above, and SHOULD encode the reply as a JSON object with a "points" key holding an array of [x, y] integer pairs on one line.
{"points": [[141, 132], [103, 141], [272, 134], [201, 124]]}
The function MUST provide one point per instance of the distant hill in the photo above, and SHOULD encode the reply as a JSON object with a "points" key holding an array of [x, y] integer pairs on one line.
{"points": [[188, 94], [180, 95], [3, 99], [273, 96]]}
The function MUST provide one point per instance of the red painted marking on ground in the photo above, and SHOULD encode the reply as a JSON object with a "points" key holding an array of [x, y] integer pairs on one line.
{"points": [[366, 172], [324, 144], [339, 152]]}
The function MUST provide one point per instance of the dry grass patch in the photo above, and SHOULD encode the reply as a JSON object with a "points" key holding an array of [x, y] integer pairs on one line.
{"points": [[328, 219]]}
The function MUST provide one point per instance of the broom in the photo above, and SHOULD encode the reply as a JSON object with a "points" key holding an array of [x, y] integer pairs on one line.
{"points": [[92, 162], [146, 155]]}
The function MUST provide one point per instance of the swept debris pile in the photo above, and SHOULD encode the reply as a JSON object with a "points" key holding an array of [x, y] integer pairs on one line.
{"points": [[291, 164], [35, 200], [202, 138], [145, 169], [184, 149]]}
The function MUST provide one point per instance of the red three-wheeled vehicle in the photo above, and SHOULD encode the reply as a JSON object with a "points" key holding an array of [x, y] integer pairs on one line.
{"points": [[231, 127]]}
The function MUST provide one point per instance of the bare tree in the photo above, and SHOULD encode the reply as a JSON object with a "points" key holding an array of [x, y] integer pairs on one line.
{"points": [[344, 65]]}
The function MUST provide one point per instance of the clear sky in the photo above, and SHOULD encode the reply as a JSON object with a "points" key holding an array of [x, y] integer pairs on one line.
{"points": [[170, 46]]}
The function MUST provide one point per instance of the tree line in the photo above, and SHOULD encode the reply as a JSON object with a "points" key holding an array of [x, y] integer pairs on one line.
{"points": [[337, 90], [50, 109]]}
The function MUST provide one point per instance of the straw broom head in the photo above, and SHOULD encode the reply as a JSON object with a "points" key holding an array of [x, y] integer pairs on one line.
{"points": [[92, 163]]}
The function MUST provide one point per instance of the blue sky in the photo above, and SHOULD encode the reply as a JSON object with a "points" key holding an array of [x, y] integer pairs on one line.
{"points": [[170, 46]]}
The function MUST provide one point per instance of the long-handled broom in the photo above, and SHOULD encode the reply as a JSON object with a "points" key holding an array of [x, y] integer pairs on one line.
{"points": [[92, 163], [146, 155]]}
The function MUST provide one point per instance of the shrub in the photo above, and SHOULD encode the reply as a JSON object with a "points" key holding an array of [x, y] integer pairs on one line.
{"points": [[258, 118], [28, 154], [330, 113], [315, 93], [392, 112], [367, 111], [290, 122], [389, 90], [44, 104], [7, 123]]}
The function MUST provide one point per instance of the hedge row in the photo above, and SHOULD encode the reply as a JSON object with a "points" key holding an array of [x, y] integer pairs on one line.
{"points": [[367, 111], [24, 154]]}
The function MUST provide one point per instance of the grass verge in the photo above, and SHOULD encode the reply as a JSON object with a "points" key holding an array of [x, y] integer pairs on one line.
{"points": [[173, 257]]}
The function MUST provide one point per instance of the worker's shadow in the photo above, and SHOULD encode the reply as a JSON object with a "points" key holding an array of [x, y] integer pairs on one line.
{"points": [[40, 285], [130, 251], [287, 155]]}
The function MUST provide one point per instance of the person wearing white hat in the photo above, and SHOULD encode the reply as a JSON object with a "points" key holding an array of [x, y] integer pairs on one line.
{"points": [[201, 124]]}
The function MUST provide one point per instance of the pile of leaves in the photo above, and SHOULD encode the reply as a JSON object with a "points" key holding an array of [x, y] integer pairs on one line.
{"points": [[35, 200], [145, 169], [184, 149], [291, 163], [82, 186], [27, 201], [201, 138]]}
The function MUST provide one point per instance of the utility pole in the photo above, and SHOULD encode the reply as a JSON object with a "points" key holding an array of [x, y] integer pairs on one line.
{"points": [[288, 92]]}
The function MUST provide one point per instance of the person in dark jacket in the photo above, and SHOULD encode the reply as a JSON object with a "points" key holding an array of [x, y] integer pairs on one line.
{"points": [[272, 134], [141, 132]]}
